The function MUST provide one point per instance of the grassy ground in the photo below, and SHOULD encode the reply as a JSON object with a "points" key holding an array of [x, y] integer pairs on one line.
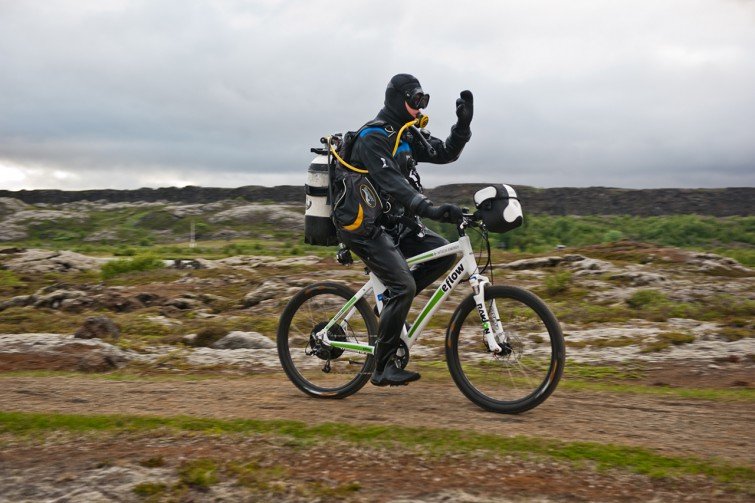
{"points": [[439, 441]]}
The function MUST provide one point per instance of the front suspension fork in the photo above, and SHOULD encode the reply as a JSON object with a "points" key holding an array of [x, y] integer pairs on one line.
{"points": [[492, 328]]}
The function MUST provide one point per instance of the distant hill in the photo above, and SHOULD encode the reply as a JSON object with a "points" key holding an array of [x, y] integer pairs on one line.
{"points": [[552, 201], [612, 201]]}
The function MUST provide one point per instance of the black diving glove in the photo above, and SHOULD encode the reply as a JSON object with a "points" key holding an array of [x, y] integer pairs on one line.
{"points": [[464, 111], [448, 213]]}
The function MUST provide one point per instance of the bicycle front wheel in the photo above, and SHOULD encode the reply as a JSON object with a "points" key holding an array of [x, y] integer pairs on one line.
{"points": [[529, 368], [324, 371]]}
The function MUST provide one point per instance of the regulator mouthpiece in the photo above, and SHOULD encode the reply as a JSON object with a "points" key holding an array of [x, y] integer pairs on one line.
{"points": [[422, 120]]}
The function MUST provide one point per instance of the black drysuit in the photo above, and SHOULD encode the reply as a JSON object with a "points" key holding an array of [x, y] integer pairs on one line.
{"points": [[384, 252]]}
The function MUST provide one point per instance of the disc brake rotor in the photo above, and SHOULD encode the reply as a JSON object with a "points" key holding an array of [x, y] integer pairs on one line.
{"points": [[511, 350]]}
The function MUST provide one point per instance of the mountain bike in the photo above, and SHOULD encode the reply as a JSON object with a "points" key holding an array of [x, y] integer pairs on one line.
{"points": [[504, 348]]}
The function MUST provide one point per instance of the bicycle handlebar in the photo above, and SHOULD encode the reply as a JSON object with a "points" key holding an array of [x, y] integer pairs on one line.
{"points": [[469, 220]]}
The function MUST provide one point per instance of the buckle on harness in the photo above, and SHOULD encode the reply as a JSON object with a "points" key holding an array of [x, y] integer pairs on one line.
{"points": [[343, 256]]}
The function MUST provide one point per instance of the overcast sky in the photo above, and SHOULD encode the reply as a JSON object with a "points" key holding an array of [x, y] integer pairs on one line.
{"points": [[128, 94]]}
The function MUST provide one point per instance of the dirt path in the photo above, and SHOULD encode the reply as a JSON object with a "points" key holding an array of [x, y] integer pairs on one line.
{"points": [[672, 426]]}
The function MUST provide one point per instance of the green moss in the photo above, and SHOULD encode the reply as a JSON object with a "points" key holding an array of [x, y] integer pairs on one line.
{"points": [[576, 344], [136, 264], [676, 338], [642, 299], [211, 333], [667, 339], [618, 342], [22, 320], [146, 489], [711, 394], [252, 474], [9, 280], [731, 334], [600, 372], [331, 492], [557, 283], [745, 256], [173, 359], [153, 462], [655, 346], [125, 251], [266, 325], [726, 306], [612, 236], [62, 231], [199, 473], [138, 325]]}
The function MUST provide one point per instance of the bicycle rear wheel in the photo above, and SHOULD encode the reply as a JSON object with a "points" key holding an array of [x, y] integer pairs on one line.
{"points": [[322, 371], [528, 370]]}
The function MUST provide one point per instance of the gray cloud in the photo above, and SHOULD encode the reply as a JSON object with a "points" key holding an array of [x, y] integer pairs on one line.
{"points": [[127, 94]]}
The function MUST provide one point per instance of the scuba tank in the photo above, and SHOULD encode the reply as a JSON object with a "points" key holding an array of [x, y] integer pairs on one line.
{"points": [[318, 226]]}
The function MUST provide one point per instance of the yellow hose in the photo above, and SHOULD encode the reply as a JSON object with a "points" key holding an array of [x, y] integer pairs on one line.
{"points": [[395, 147], [400, 132], [346, 164]]}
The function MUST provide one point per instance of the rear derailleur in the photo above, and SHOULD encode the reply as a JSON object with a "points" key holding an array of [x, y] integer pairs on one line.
{"points": [[322, 351]]}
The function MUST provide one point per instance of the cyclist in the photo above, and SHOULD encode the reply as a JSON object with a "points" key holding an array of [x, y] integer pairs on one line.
{"points": [[400, 232]]}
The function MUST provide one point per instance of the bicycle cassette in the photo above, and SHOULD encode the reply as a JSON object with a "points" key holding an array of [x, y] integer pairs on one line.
{"points": [[322, 351]]}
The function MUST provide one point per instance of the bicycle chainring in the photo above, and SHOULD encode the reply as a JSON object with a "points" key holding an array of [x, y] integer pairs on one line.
{"points": [[322, 351]]}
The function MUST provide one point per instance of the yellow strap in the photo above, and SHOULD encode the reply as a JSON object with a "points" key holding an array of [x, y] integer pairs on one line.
{"points": [[357, 222]]}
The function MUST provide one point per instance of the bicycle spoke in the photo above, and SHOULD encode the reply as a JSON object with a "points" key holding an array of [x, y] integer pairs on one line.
{"points": [[314, 367], [517, 378]]}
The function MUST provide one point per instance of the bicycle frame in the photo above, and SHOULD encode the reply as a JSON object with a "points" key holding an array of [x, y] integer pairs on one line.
{"points": [[467, 267]]}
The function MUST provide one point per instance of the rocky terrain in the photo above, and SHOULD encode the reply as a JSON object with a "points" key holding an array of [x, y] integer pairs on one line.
{"points": [[669, 293], [130, 378]]}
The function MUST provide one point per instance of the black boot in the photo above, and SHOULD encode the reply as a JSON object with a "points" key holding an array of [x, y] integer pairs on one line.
{"points": [[393, 376]]}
